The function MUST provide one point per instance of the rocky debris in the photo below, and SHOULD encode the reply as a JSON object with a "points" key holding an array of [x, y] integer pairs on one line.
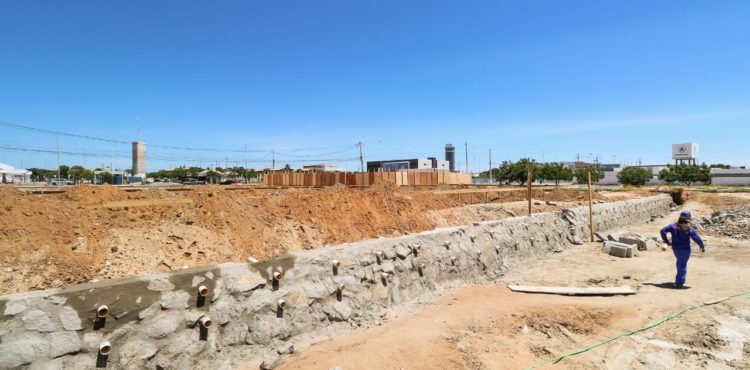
{"points": [[270, 362], [733, 223], [164, 324], [174, 300], [136, 351]]}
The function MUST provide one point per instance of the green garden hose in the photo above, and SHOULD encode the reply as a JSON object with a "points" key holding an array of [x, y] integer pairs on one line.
{"points": [[628, 333]]}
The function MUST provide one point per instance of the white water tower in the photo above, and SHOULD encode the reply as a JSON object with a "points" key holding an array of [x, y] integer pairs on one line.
{"points": [[682, 153]]}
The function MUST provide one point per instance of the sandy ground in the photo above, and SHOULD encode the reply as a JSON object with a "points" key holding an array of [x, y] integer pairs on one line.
{"points": [[98, 233], [490, 327]]}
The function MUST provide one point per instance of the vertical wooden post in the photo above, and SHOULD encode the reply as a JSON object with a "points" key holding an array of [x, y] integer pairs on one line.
{"points": [[528, 191], [591, 211]]}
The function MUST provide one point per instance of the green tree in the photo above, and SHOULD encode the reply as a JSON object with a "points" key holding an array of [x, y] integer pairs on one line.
{"points": [[556, 172], [79, 173], [104, 178], [581, 174], [634, 176], [504, 172], [686, 174], [64, 171], [520, 170]]}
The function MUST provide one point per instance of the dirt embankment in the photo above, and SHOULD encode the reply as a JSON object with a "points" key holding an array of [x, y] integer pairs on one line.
{"points": [[104, 232]]}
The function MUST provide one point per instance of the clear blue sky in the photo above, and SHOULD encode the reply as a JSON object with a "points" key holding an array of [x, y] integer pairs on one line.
{"points": [[551, 79]]}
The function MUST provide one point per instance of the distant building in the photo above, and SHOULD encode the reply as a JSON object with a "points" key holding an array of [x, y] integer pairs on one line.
{"points": [[427, 164], [139, 159], [733, 176], [12, 175], [322, 167]]}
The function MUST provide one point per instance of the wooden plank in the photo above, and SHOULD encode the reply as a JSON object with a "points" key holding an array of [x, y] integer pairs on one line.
{"points": [[621, 290]]}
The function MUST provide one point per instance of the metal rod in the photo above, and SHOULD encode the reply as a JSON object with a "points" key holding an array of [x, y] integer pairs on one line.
{"points": [[591, 211]]}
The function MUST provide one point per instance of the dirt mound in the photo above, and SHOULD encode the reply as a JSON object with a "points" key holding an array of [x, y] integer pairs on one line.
{"points": [[568, 195], [96, 194]]}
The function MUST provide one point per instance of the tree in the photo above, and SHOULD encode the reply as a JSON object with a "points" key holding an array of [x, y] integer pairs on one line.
{"points": [[64, 171], [686, 173], [634, 176], [556, 172], [79, 173], [504, 173], [105, 178], [520, 170], [581, 174]]}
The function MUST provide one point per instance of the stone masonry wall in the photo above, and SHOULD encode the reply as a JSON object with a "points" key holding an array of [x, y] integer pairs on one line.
{"points": [[154, 320]]}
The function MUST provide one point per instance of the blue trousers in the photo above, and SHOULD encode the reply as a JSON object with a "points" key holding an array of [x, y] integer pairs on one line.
{"points": [[682, 256]]}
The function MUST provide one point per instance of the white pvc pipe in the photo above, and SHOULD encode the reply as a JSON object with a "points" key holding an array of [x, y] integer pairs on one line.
{"points": [[379, 255], [252, 260], [422, 266], [278, 276], [453, 259], [282, 304], [341, 287], [203, 291], [335, 263], [416, 247], [102, 311], [205, 322], [105, 347], [447, 244], [385, 275]]}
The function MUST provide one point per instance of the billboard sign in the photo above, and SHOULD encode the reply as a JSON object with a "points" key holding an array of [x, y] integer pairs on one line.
{"points": [[685, 151]]}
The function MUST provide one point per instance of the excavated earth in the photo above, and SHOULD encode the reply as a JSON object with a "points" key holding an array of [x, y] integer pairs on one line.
{"points": [[97, 233]]}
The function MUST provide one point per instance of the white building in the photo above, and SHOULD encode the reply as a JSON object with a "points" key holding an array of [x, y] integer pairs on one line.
{"points": [[12, 175], [734, 176]]}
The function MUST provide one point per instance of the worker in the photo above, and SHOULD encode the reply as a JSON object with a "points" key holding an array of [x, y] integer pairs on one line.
{"points": [[681, 232]]}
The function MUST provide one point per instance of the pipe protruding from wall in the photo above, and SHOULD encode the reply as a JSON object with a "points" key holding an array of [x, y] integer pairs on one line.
{"points": [[278, 276], [335, 263], [379, 255], [203, 291], [251, 260], [105, 348], [282, 304], [447, 244], [340, 287], [205, 322], [102, 311], [453, 260]]}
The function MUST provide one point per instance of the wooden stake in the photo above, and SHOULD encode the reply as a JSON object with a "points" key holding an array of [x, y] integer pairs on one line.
{"points": [[528, 192], [591, 211]]}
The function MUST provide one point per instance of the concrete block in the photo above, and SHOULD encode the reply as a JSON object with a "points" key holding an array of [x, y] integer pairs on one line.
{"points": [[619, 249]]}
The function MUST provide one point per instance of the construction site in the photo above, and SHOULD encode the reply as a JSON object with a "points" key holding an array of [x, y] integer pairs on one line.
{"points": [[374, 185], [376, 277]]}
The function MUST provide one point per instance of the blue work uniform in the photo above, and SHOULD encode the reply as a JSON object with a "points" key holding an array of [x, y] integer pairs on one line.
{"points": [[681, 248]]}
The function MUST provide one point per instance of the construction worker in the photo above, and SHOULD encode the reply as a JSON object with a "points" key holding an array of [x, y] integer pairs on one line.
{"points": [[681, 232]]}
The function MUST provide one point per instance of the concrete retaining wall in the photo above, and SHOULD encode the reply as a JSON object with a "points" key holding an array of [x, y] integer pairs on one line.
{"points": [[153, 320]]}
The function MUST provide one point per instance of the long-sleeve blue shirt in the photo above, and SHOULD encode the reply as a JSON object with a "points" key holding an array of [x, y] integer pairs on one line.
{"points": [[680, 239]]}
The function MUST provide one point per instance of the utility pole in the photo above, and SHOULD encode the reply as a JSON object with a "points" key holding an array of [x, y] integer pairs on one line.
{"points": [[361, 159], [273, 160], [466, 151], [58, 155], [490, 166], [246, 179]]}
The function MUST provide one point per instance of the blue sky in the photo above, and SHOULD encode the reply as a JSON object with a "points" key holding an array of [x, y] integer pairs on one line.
{"points": [[551, 79]]}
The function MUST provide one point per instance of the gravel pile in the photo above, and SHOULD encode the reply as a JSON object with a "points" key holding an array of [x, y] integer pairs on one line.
{"points": [[733, 223]]}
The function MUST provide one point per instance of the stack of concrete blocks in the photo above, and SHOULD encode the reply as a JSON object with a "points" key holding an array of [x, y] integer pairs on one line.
{"points": [[618, 249], [160, 321]]}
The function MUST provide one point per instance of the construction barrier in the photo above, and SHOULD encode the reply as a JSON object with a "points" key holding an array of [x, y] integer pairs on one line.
{"points": [[401, 178]]}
